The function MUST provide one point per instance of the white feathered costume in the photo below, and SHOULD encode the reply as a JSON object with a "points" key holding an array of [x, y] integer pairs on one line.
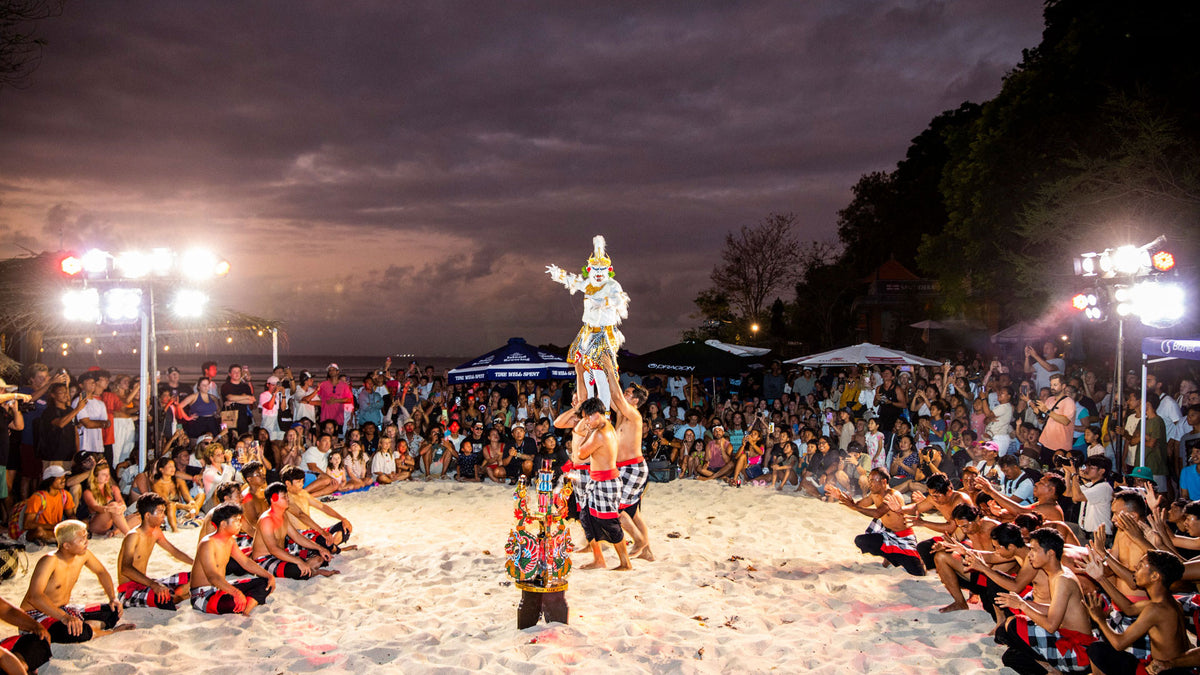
{"points": [[604, 306]]}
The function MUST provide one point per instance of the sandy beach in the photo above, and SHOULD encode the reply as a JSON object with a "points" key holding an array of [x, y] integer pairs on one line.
{"points": [[746, 579]]}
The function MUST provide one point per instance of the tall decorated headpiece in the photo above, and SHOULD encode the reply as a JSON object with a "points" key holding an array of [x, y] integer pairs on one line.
{"points": [[599, 259]]}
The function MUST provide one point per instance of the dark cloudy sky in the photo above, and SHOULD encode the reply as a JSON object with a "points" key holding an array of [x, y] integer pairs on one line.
{"points": [[393, 176]]}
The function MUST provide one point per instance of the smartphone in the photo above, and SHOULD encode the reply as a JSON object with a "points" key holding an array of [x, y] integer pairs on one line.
{"points": [[531, 397], [771, 428], [829, 417]]}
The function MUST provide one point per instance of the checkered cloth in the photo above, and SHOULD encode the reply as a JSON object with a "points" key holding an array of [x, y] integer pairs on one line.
{"points": [[903, 542], [133, 594], [604, 498], [1066, 650], [580, 477], [1190, 602], [1118, 622], [633, 482]]}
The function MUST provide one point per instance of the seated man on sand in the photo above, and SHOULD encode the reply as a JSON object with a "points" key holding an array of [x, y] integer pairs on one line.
{"points": [[28, 651], [47, 507], [135, 589], [276, 532], [300, 502], [888, 536], [53, 579], [253, 496], [211, 591]]}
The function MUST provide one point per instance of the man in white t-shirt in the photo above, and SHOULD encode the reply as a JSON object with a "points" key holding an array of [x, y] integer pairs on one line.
{"points": [[269, 402], [94, 416], [1090, 487], [1173, 418], [999, 421], [1045, 365], [316, 458]]}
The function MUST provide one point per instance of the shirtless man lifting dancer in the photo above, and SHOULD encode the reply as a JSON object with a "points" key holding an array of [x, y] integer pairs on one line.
{"points": [[630, 463], [601, 519]]}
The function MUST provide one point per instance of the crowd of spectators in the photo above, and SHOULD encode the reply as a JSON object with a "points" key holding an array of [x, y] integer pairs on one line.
{"points": [[1033, 435]]}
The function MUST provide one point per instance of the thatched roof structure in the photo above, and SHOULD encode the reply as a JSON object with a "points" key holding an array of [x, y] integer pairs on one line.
{"points": [[31, 290]]}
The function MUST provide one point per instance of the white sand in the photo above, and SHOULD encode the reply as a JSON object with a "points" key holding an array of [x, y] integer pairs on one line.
{"points": [[756, 581]]}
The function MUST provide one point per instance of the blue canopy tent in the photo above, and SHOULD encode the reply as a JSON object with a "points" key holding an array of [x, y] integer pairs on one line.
{"points": [[1157, 350], [514, 361]]}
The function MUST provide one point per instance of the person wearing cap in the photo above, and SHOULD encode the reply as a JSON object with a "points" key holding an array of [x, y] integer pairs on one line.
{"points": [[334, 395], [803, 385], [47, 507], [270, 400]]}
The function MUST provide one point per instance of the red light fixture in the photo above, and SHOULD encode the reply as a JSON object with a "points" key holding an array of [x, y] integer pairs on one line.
{"points": [[72, 265], [1163, 261], [1080, 302]]}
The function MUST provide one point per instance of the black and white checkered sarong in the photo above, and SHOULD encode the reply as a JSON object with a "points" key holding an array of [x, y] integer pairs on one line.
{"points": [[604, 498], [633, 482]]}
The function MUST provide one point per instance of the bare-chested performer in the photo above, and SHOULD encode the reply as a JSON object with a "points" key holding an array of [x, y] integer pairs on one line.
{"points": [[942, 498], [211, 591], [630, 463], [300, 502], [49, 596], [1048, 635], [275, 531], [576, 468], [253, 496], [1159, 616], [601, 519], [27, 651], [889, 535], [135, 589], [976, 529]]}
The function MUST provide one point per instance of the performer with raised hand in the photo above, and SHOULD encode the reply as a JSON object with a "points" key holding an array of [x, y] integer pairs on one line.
{"points": [[604, 306]]}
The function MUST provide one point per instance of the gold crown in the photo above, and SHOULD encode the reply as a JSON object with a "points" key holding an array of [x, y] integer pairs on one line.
{"points": [[599, 257]]}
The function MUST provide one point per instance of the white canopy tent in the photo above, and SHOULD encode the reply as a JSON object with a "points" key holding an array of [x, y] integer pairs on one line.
{"points": [[863, 353]]}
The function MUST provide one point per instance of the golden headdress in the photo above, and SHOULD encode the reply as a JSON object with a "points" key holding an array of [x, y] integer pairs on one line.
{"points": [[599, 256]]}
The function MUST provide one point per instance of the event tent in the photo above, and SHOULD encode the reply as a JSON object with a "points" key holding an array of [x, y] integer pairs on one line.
{"points": [[687, 358], [1157, 350], [514, 361], [863, 353]]}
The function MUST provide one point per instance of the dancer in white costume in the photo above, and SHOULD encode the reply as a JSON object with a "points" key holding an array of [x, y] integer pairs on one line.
{"points": [[604, 306]]}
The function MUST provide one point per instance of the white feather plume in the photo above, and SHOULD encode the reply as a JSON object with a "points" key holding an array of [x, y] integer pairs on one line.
{"points": [[598, 246]]}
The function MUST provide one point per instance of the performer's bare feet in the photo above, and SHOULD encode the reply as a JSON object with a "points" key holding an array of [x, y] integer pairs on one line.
{"points": [[954, 607], [642, 553], [594, 565], [251, 603], [622, 568], [326, 573]]}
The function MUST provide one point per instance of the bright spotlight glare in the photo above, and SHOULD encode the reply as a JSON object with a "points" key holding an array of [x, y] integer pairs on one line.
{"points": [[160, 261], [1158, 305], [189, 303], [1129, 260], [82, 305], [198, 264], [1079, 301], [122, 305], [1125, 309], [95, 262], [133, 264], [1089, 265], [72, 265]]}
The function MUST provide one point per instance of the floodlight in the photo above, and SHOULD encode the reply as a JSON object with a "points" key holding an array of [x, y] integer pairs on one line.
{"points": [[95, 262], [1159, 305], [122, 305], [1163, 261], [189, 303], [132, 264], [1080, 301], [82, 305], [198, 264]]}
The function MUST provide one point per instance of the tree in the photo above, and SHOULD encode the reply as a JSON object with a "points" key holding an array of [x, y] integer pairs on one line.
{"points": [[758, 261], [20, 48], [891, 211], [821, 312], [1049, 126]]}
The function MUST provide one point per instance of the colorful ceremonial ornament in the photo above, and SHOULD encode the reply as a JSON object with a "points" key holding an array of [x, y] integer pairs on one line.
{"points": [[604, 306], [540, 561]]}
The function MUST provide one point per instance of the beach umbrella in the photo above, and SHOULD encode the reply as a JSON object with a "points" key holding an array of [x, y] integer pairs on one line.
{"points": [[516, 360], [688, 358], [863, 353]]}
